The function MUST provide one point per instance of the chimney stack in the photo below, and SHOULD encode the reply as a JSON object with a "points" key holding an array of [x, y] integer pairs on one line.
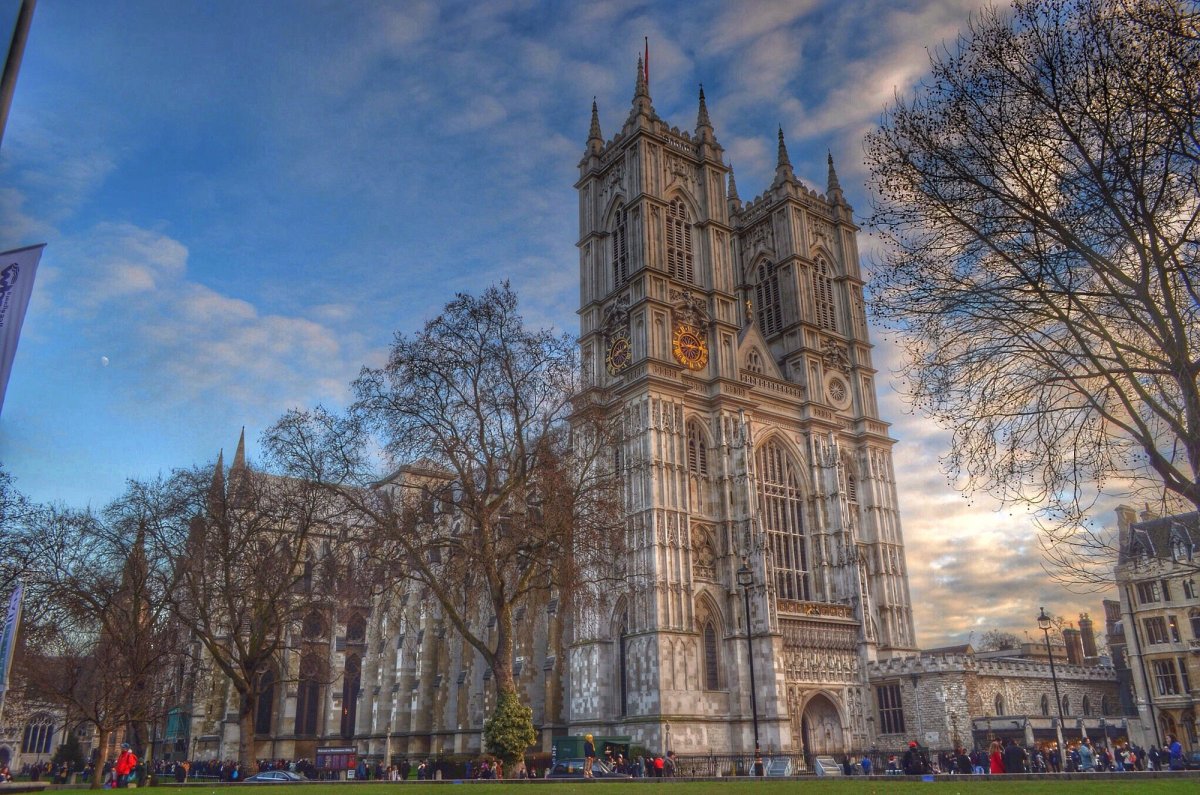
{"points": [[1088, 636], [1074, 646]]}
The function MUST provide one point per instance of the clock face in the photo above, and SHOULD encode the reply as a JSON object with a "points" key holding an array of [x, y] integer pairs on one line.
{"points": [[619, 355], [689, 347]]}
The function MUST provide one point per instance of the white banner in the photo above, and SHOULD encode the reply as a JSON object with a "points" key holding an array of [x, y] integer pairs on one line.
{"points": [[8, 641], [17, 269]]}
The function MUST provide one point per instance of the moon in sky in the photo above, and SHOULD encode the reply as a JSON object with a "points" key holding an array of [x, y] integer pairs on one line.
{"points": [[104, 361]]}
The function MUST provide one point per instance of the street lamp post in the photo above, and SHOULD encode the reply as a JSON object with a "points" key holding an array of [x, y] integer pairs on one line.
{"points": [[745, 578], [1044, 623]]}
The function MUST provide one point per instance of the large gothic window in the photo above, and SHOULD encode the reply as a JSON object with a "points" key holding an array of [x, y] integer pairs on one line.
{"points": [[39, 733], [266, 703], [766, 299], [623, 664], [351, 679], [620, 248], [780, 501], [697, 450], [308, 695], [823, 296], [679, 243], [712, 663]]}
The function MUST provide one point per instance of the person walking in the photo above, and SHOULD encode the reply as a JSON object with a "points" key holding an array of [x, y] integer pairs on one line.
{"points": [[995, 758]]}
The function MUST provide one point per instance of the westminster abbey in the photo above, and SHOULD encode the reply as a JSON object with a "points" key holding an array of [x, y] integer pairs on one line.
{"points": [[730, 338]]}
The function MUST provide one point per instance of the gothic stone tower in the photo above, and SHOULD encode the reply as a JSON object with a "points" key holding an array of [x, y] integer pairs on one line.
{"points": [[730, 340]]}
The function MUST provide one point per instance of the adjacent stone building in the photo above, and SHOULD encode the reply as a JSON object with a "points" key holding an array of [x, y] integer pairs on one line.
{"points": [[1157, 572]]}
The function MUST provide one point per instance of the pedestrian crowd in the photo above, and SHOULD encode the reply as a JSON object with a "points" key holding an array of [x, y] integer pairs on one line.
{"points": [[1010, 757]]}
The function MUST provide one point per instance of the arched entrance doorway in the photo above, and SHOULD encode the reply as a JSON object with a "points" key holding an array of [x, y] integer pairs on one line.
{"points": [[821, 728]]}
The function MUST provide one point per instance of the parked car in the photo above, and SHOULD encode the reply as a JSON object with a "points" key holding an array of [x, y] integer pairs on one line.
{"points": [[275, 777], [573, 768]]}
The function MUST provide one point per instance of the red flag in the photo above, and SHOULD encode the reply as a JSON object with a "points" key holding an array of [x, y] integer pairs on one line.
{"points": [[647, 63]]}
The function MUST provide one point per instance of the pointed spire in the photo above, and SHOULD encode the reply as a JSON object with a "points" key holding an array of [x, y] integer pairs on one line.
{"points": [[833, 180], [216, 491], [702, 120], [732, 194], [642, 105], [594, 131], [783, 166], [239, 457]]}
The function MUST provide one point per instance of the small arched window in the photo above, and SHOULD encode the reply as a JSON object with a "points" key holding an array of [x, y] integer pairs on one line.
{"points": [[680, 265], [697, 451], [1044, 707], [823, 296], [999, 704], [754, 362], [313, 627], [766, 298], [712, 678], [1066, 705], [620, 248], [851, 487], [1086, 707], [356, 629], [1105, 706]]}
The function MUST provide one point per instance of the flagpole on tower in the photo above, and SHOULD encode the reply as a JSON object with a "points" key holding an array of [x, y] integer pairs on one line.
{"points": [[12, 64]]}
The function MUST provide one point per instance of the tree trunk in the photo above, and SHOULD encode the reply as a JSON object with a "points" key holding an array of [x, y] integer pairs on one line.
{"points": [[246, 758], [104, 735]]}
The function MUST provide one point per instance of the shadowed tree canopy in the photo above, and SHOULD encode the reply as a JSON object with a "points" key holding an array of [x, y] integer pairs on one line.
{"points": [[240, 550], [492, 487], [1038, 200]]}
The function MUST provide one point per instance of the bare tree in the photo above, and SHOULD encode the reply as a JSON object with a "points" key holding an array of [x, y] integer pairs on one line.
{"points": [[239, 549], [19, 519], [500, 492], [102, 638], [996, 639], [1038, 199]]}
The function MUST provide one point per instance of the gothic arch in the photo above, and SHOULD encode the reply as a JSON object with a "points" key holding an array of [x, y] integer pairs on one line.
{"points": [[693, 207], [619, 627], [710, 626], [820, 251], [821, 722], [798, 456]]}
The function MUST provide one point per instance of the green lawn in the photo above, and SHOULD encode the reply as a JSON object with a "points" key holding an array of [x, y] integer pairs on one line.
{"points": [[974, 785]]}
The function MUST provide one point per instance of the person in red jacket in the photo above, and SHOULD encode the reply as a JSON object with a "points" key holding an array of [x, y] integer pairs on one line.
{"points": [[126, 763]]}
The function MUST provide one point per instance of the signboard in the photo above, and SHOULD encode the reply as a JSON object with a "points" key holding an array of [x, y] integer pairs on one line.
{"points": [[337, 758]]}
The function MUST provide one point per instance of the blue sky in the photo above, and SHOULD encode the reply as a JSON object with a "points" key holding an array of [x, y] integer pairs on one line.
{"points": [[244, 201]]}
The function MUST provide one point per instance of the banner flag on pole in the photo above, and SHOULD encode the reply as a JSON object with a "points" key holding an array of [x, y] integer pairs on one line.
{"points": [[17, 269], [8, 642]]}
